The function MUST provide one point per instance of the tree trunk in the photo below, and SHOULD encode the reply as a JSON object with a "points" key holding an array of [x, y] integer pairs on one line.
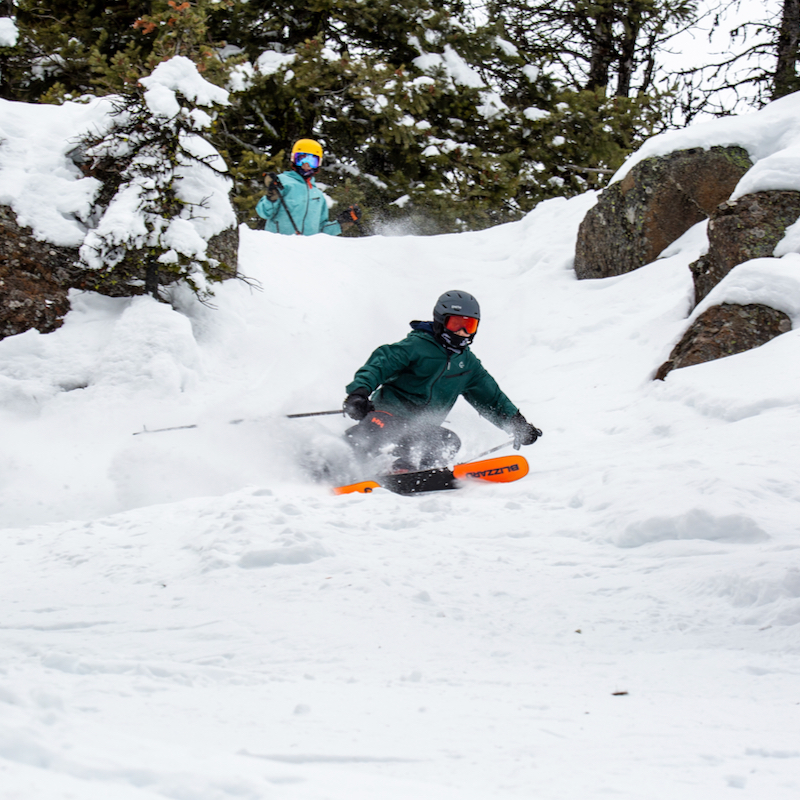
{"points": [[785, 81], [602, 51], [151, 279], [627, 59]]}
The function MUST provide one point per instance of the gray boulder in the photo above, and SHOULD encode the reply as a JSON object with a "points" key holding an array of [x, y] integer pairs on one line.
{"points": [[653, 205], [746, 228], [725, 330]]}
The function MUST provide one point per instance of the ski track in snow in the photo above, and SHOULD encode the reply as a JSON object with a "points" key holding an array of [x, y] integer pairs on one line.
{"points": [[188, 615]]}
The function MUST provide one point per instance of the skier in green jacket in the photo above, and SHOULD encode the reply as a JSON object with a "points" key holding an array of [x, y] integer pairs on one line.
{"points": [[403, 393], [294, 205]]}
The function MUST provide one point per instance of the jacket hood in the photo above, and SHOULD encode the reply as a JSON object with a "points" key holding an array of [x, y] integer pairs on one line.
{"points": [[425, 327]]}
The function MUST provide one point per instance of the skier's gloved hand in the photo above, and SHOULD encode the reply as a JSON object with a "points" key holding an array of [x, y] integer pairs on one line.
{"points": [[350, 215], [357, 405], [273, 184], [522, 431]]}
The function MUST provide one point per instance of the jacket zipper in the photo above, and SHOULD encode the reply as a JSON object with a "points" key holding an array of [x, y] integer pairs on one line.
{"points": [[308, 202], [446, 368]]}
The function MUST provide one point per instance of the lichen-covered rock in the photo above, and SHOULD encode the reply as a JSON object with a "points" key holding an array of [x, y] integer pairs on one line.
{"points": [[746, 228], [224, 247], [653, 205], [34, 279], [725, 330]]}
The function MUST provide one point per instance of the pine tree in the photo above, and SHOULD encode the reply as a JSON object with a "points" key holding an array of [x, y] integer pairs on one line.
{"points": [[402, 99], [69, 49], [428, 119], [759, 62], [607, 45], [165, 190], [54, 59]]}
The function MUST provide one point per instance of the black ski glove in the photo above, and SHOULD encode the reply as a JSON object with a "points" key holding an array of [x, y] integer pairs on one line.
{"points": [[349, 215], [357, 404], [273, 184], [522, 430]]}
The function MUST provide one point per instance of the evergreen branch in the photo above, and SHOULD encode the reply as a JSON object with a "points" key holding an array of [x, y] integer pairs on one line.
{"points": [[244, 145], [598, 170]]}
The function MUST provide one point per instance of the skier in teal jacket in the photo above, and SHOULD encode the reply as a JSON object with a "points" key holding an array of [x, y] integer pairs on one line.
{"points": [[403, 393], [293, 204]]}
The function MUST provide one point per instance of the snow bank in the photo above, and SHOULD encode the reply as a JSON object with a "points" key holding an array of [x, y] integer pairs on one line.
{"points": [[37, 178], [771, 136], [770, 281]]}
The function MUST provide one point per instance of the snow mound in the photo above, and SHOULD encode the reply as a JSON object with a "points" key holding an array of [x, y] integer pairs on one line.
{"points": [[694, 524]]}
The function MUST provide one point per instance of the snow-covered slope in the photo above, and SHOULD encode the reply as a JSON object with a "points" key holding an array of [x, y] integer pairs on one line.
{"points": [[187, 615]]}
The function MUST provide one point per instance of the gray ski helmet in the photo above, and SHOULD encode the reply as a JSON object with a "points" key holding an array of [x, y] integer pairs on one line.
{"points": [[455, 302]]}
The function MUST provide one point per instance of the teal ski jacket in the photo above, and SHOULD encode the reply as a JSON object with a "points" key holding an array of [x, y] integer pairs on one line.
{"points": [[418, 377], [306, 204]]}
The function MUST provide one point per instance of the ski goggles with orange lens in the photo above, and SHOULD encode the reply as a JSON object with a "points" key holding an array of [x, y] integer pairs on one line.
{"points": [[456, 323], [308, 159]]}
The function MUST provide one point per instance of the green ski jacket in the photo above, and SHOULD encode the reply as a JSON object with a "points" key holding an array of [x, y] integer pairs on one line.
{"points": [[418, 377]]}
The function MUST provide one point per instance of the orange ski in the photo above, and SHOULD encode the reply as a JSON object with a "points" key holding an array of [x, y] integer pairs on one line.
{"points": [[503, 469], [365, 487]]}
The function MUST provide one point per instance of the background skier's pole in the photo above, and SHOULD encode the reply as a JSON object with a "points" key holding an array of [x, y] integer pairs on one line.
{"points": [[278, 186]]}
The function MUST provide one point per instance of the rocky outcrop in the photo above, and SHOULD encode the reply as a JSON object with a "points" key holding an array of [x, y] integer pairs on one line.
{"points": [[656, 202], [746, 228], [725, 330], [34, 279], [224, 247]]}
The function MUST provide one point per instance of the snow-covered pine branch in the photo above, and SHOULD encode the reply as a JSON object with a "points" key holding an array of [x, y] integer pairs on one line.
{"points": [[166, 192]]}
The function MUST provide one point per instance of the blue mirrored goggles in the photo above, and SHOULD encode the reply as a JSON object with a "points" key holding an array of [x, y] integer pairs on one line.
{"points": [[307, 160]]}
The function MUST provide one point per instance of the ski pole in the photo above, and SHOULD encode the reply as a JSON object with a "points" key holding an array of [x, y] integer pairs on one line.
{"points": [[316, 414], [278, 187], [161, 430], [145, 429], [493, 450]]}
